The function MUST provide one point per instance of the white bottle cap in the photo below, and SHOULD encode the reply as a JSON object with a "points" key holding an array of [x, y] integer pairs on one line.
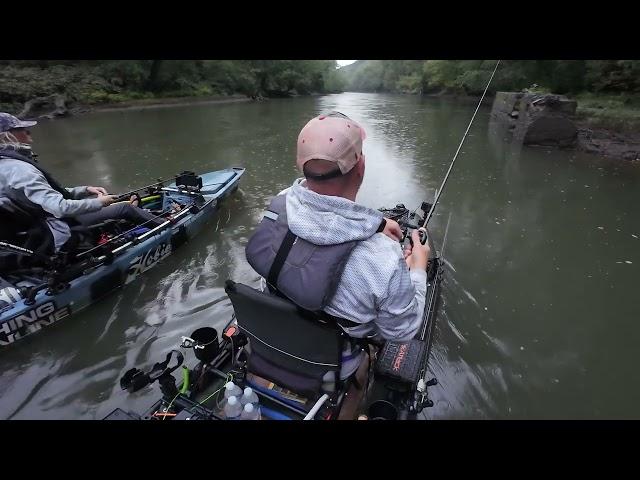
{"points": [[248, 391], [232, 400], [248, 407], [229, 385]]}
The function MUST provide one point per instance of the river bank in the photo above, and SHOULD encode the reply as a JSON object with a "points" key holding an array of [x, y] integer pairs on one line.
{"points": [[559, 121], [57, 106], [606, 125], [167, 102]]}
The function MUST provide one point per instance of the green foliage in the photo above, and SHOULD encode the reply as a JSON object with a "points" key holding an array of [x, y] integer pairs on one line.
{"points": [[535, 88], [613, 75], [620, 112], [333, 81], [20, 84], [123, 73], [112, 81], [409, 83], [608, 91], [470, 76]]}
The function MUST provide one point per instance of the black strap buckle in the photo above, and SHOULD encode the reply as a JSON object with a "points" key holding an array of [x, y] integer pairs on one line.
{"points": [[135, 379]]}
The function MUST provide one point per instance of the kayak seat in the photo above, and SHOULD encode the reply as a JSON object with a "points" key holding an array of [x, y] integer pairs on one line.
{"points": [[295, 352]]}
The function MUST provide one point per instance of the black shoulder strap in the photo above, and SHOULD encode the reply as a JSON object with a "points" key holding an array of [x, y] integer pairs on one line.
{"points": [[5, 152], [281, 256], [272, 283]]}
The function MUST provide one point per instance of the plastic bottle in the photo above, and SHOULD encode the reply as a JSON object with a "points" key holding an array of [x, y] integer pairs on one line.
{"points": [[249, 396], [250, 412], [232, 408], [232, 390]]}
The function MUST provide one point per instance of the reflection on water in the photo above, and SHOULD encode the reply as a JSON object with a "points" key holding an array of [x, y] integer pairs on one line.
{"points": [[537, 305]]}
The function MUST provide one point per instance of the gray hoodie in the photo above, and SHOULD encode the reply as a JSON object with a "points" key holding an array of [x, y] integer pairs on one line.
{"points": [[376, 289], [26, 186]]}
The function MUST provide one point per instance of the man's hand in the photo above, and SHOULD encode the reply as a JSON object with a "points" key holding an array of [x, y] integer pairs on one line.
{"points": [[392, 230], [99, 191], [107, 199], [418, 255]]}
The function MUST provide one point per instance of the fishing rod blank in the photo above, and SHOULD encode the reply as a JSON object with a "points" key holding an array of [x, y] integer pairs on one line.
{"points": [[125, 196], [16, 248], [117, 237], [25, 251], [446, 177]]}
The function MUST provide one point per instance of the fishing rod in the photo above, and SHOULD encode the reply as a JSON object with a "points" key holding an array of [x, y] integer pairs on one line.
{"points": [[25, 251], [421, 399], [16, 248], [160, 215], [464, 137], [160, 182], [54, 276]]}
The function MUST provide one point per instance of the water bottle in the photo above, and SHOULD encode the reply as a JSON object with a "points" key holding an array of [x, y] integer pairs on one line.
{"points": [[232, 390], [250, 412], [232, 408], [249, 396]]}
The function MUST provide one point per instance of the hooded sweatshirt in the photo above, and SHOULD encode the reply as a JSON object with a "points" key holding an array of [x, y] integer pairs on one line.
{"points": [[27, 187], [376, 289]]}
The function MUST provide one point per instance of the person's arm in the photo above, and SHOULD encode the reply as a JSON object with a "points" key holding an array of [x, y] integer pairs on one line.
{"points": [[400, 312], [391, 229], [82, 192], [37, 190], [78, 193]]}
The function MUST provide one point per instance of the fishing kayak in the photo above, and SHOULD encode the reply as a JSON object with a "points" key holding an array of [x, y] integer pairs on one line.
{"points": [[33, 300], [396, 385]]}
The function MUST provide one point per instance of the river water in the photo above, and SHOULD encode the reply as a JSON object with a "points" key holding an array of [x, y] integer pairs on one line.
{"points": [[538, 315]]}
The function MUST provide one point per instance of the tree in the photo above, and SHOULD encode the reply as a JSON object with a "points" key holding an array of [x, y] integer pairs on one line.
{"points": [[154, 73]]}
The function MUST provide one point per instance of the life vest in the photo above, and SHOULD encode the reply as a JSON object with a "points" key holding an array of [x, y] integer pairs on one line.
{"points": [[306, 274]]}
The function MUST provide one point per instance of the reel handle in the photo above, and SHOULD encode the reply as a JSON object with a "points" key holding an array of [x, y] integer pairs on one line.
{"points": [[422, 232]]}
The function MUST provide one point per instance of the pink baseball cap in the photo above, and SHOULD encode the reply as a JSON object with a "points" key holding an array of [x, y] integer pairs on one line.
{"points": [[334, 137]]}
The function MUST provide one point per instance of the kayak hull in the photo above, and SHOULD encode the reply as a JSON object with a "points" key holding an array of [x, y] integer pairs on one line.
{"points": [[23, 318], [385, 398]]}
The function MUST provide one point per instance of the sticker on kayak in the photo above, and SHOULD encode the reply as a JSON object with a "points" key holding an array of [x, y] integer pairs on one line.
{"points": [[31, 321], [144, 262]]}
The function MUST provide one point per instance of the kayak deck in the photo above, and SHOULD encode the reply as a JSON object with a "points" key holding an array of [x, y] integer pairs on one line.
{"points": [[39, 297], [395, 388]]}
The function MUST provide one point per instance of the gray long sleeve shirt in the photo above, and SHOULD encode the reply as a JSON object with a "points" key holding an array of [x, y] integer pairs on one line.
{"points": [[26, 186], [377, 289]]}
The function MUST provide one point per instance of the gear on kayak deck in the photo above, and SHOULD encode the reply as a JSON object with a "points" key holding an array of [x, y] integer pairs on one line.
{"points": [[292, 357]]}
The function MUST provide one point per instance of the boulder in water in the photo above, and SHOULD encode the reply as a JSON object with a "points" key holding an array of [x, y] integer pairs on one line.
{"points": [[537, 119]]}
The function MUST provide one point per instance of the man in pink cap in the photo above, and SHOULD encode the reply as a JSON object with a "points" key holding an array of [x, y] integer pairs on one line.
{"points": [[326, 253]]}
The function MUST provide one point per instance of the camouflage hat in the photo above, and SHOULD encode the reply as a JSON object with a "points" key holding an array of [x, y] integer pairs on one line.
{"points": [[9, 122]]}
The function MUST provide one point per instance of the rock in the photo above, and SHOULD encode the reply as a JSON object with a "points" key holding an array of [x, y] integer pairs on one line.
{"points": [[547, 129], [49, 107], [604, 142], [558, 103], [537, 119], [549, 120]]}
